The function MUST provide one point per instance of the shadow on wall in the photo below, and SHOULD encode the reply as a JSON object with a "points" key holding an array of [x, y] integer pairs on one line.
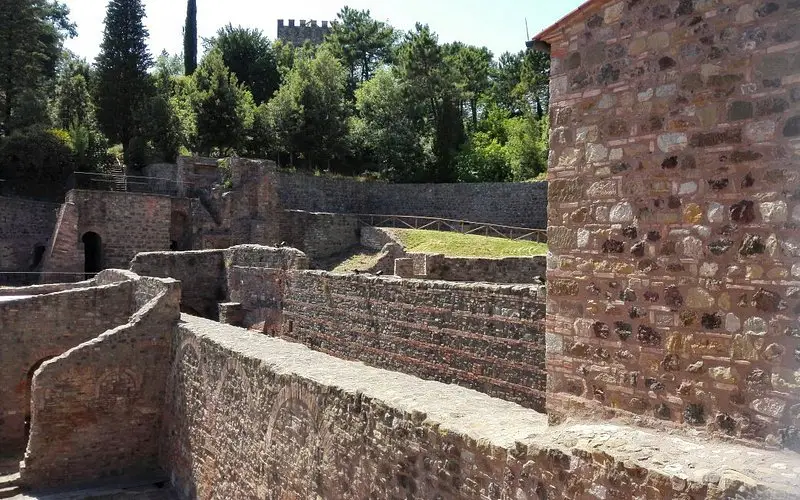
{"points": [[92, 254], [28, 385]]}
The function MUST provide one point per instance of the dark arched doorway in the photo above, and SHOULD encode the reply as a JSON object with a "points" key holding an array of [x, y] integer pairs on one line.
{"points": [[28, 389], [92, 252]]}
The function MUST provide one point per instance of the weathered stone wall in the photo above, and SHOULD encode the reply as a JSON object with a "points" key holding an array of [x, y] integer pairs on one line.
{"points": [[97, 408], [486, 337], [237, 274], [249, 416], [201, 273], [673, 215], [319, 235], [36, 328], [513, 204], [24, 226]]}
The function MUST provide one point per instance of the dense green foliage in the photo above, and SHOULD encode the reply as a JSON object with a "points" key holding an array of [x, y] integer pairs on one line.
{"points": [[370, 100], [224, 108], [248, 54], [35, 162], [361, 43], [123, 85], [33, 32]]}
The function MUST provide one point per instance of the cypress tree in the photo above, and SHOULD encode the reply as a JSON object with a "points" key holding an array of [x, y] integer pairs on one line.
{"points": [[190, 38], [123, 84]]}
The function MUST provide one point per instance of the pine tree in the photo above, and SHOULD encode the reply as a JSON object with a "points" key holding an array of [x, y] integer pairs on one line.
{"points": [[190, 38], [224, 108], [123, 85]]}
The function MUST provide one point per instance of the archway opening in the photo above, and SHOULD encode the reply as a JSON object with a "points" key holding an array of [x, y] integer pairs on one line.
{"points": [[28, 389], [93, 261], [38, 255]]}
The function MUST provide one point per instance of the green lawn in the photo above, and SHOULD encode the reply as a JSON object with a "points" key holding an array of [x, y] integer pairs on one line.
{"points": [[358, 261], [466, 245]]}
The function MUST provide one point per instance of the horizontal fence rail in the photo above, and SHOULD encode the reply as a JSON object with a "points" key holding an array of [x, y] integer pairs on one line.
{"points": [[453, 225], [94, 181]]}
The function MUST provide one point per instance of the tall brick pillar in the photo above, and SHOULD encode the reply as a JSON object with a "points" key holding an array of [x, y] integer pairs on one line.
{"points": [[674, 207]]}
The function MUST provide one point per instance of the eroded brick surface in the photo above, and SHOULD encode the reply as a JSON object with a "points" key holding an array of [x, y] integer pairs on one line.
{"points": [[37, 328], [97, 409], [678, 298]]}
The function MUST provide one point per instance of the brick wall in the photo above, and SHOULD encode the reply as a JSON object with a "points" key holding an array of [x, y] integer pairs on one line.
{"points": [[249, 416], [128, 223], [673, 215], [37, 328], [97, 408], [486, 337], [24, 225], [513, 204]]}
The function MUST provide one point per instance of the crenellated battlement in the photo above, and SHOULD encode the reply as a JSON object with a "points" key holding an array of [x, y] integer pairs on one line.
{"points": [[290, 30]]}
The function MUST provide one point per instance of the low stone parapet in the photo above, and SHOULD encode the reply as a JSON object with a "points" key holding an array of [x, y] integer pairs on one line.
{"points": [[249, 416]]}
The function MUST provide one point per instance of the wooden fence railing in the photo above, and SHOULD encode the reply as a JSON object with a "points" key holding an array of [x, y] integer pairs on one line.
{"points": [[459, 226]]}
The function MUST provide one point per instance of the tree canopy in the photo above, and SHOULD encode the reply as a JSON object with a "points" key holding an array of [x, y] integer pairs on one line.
{"points": [[370, 99], [123, 83]]}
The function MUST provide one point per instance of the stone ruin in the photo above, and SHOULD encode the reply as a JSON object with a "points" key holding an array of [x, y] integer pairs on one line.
{"points": [[661, 359]]}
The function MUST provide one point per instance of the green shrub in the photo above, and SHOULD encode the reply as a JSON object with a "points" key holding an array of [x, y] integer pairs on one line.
{"points": [[36, 162], [137, 154]]}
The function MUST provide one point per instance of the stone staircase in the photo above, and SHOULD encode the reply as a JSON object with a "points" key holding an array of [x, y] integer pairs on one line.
{"points": [[9, 477], [116, 176]]}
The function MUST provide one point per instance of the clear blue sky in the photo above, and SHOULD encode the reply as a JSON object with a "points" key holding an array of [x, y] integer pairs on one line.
{"points": [[497, 24]]}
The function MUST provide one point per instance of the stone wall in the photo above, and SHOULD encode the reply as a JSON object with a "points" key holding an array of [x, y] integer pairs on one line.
{"points": [[201, 273], [513, 204], [37, 328], [24, 226], [249, 416], [210, 277], [319, 235], [128, 223], [505, 270], [673, 215], [486, 337], [97, 408]]}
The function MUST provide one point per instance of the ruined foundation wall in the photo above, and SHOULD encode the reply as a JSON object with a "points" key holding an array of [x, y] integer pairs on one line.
{"points": [[319, 235], [201, 273], [24, 225], [43, 326], [248, 416], [514, 204], [673, 216], [485, 337], [97, 408]]}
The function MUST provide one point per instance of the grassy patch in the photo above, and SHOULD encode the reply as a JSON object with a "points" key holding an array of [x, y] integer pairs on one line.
{"points": [[360, 260], [466, 245]]}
